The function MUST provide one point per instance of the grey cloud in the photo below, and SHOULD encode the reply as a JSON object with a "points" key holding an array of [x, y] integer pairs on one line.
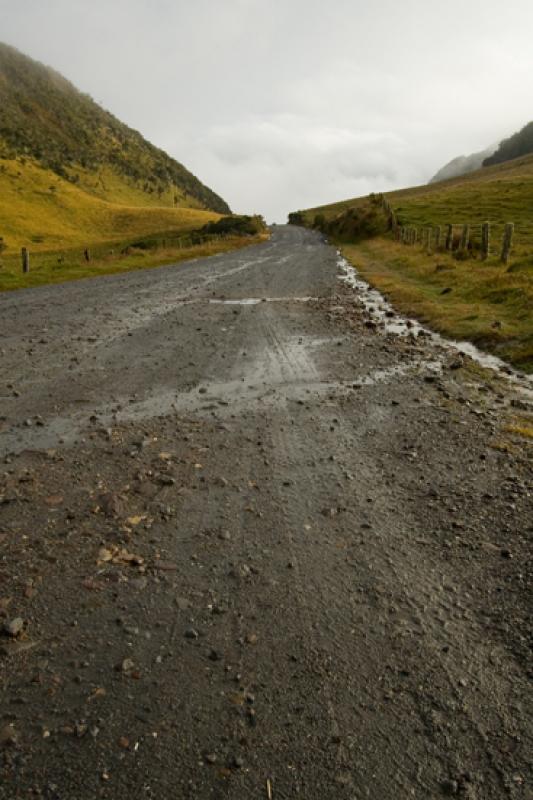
{"points": [[283, 105]]}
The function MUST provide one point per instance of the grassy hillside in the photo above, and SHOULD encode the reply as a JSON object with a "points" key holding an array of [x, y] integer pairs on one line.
{"points": [[485, 301], [73, 177], [44, 117], [42, 211]]}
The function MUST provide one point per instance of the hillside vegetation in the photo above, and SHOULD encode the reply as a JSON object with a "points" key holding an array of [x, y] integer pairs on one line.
{"points": [[42, 211], [520, 144], [459, 294], [44, 117], [72, 177]]}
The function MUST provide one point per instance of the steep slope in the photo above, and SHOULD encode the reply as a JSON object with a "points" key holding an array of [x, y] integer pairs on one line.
{"points": [[520, 144], [45, 118], [462, 165]]}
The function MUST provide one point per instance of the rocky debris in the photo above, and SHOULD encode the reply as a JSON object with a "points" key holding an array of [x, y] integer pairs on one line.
{"points": [[14, 627], [110, 503]]}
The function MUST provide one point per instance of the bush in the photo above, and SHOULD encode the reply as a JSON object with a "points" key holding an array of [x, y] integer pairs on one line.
{"points": [[236, 226]]}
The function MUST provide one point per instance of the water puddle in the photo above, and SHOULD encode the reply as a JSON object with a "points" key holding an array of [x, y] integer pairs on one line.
{"points": [[381, 311], [254, 301]]}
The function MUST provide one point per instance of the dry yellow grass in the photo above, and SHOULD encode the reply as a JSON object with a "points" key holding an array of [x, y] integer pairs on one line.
{"points": [[44, 212]]}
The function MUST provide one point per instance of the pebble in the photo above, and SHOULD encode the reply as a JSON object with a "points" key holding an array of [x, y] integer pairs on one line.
{"points": [[191, 633], [15, 627]]}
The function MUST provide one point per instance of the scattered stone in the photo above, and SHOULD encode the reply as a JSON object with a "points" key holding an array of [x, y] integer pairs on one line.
{"points": [[8, 735], [14, 627], [449, 787], [166, 480], [127, 665], [191, 633], [110, 504]]}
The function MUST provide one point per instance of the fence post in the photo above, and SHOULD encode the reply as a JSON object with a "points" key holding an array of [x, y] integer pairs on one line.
{"points": [[87, 254], [465, 238], [449, 238], [430, 236], [485, 240], [25, 259], [438, 233], [507, 242]]}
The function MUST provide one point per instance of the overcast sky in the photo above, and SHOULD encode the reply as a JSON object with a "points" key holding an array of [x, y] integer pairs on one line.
{"points": [[285, 104]]}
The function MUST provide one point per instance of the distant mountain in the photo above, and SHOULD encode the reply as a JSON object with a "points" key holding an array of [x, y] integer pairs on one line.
{"points": [[462, 165], [45, 118], [520, 144]]}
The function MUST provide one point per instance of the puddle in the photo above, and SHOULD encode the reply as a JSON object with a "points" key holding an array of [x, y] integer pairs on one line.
{"points": [[254, 301], [380, 310]]}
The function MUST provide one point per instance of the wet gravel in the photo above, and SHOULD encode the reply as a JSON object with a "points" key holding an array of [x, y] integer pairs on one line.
{"points": [[254, 544]]}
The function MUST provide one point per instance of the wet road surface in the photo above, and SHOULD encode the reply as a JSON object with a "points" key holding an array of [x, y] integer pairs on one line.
{"points": [[259, 547]]}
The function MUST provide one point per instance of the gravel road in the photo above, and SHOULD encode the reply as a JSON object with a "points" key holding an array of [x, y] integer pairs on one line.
{"points": [[254, 546]]}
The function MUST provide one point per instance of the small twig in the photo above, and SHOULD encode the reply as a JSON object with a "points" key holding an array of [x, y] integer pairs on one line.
{"points": [[269, 789]]}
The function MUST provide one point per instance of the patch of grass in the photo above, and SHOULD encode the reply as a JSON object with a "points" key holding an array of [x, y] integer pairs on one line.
{"points": [[58, 267], [521, 428]]}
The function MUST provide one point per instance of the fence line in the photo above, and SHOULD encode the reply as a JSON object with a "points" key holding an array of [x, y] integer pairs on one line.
{"points": [[181, 242], [468, 234]]}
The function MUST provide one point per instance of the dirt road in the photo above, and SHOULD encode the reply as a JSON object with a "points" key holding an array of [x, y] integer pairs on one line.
{"points": [[255, 547]]}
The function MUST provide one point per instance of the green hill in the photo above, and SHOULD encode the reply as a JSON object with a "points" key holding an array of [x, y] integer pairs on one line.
{"points": [[458, 293], [520, 144], [45, 118]]}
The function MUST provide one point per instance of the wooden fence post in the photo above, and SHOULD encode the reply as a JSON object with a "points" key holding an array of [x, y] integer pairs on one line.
{"points": [[429, 242], [485, 240], [449, 238], [465, 238], [438, 233], [507, 242], [25, 259], [87, 254]]}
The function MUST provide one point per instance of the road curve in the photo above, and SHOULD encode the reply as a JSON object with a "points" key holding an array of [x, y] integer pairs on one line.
{"points": [[259, 548]]}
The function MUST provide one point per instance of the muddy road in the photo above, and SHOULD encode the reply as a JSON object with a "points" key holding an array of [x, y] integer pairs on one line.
{"points": [[254, 546]]}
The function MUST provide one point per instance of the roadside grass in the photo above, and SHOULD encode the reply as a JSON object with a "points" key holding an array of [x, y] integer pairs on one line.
{"points": [[47, 268], [485, 302], [481, 301], [44, 212], [521, 427]]}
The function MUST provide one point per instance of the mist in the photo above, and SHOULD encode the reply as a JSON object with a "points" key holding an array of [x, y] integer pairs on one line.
{"points": [[282, 106]]}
